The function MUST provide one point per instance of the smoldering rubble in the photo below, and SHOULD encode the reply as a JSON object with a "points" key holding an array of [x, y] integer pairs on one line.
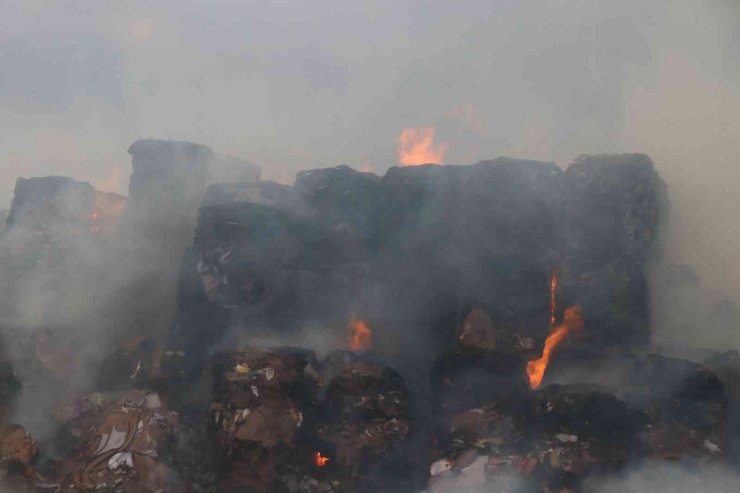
{"points": [[419, 323]]}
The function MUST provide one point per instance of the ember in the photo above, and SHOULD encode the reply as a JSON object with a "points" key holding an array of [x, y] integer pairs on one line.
{"points": [[319, 460], [360, 335], [416, 146], [536, 368]]}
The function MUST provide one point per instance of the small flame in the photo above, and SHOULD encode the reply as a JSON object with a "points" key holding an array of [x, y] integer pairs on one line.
{"points": [[360, 335], [416, 146], [553, 297], [319, 460], [572, 320]]}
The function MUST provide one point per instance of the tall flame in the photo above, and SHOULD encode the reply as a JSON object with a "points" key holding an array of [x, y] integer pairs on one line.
{"points": [[553, 297], [572, 320], [319, 460], [360, 335], [416, 146]]}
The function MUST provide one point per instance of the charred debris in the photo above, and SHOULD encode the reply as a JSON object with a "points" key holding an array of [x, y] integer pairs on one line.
{"points": [[348, 333]]}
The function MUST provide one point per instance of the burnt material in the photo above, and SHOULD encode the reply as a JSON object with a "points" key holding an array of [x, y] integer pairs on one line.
{"points": [[470, 377], [581, 430], [128, 447], [417, 249], [261, 414], [686, 406], [365, 419], [443, 280], [549, 441], [438, 239]]}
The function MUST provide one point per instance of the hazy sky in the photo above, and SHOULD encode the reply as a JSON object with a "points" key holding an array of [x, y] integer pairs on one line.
{"points": [[292, 85]]}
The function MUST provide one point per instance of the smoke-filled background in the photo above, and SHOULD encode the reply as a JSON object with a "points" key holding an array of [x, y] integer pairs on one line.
{"points": [[291, 85], [297, 85]]}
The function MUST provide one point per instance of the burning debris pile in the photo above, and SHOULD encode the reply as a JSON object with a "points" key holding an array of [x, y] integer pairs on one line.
{"points": [[445, 301], [556, 436]]}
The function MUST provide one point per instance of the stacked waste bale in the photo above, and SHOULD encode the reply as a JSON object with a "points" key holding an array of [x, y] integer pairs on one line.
{"points": [[613, 210], [128, 447], [365, 419], [262, 404]]}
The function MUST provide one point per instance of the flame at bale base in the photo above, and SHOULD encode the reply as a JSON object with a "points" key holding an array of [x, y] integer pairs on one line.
{"points": [[360, 335], [536, 368]]}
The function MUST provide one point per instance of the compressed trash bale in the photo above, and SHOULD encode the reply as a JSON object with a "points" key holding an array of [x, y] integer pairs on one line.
{"points": [[580, 430], [366, 418], [17, 448], [257, 414], [611, 223], [686, 408], [128, 448], [466, 378], [489, 445]]}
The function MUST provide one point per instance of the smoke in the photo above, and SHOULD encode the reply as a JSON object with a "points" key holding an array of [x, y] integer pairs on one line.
{"points": [[667, 477], [321, 83], [59, 317], [652, 476]]}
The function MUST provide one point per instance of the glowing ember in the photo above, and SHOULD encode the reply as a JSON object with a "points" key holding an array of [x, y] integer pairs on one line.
{"points": [[360, 335], [416, 146], [572, 320], [319, 460], [553, 297]]}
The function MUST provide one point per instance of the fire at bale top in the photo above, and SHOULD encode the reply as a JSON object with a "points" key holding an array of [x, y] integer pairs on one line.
{"points": [[440, 328]]}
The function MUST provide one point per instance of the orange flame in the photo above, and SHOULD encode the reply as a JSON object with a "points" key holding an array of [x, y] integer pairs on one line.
{"points": [[416, 146], [104, 217], [360, 335], [572, 320], [319, 460], [553, 297]]}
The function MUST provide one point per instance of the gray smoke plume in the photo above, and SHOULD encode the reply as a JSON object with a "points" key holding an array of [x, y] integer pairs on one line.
{"points": [[321, 83]]}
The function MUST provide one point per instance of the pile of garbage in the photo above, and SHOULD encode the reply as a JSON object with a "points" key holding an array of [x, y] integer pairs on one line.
{"points": [[452, 267], [127, 447], [552, 438], [257, 412], [365, 418]]}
